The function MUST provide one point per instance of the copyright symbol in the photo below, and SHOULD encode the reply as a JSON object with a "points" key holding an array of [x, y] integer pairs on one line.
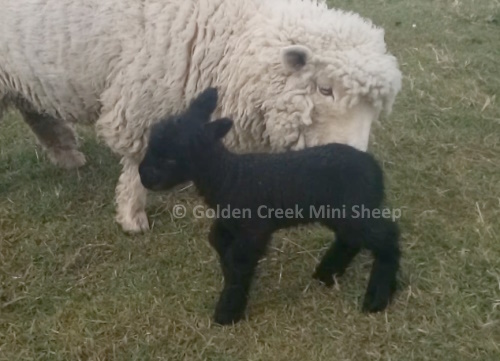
{"points": [[179, 211]]}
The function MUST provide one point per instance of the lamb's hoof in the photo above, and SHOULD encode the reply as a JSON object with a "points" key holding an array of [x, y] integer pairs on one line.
{"points": [[227, 318], [324, 277], [134, 224], [378, 297], [67, 159], [231, 306]]}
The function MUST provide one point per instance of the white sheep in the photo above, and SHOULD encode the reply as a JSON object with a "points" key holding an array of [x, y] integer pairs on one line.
{"points": [[292, 73]]}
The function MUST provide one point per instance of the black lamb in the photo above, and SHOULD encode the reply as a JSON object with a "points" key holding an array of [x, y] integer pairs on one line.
{"points": [[188, 147]]}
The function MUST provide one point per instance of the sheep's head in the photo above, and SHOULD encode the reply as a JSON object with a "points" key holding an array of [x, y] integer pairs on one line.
{"points": [[314, 75], [176, 143], [328, 97]]}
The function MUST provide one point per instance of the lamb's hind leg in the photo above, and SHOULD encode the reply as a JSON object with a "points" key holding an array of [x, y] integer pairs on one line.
{"points": [[56, 136], [337, 258], [381, 237]]}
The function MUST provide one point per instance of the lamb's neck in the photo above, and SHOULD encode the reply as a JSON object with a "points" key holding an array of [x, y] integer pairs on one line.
{"points": [[213, 171]]}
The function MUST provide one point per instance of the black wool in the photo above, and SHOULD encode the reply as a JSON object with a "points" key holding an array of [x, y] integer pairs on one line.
{"points": [[271, 192]]}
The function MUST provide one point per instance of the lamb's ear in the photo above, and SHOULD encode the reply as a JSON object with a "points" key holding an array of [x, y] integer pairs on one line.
{"points": [[295, 57], [204, 104], [218, 128]]}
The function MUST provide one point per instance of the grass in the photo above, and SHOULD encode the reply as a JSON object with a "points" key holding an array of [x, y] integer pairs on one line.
{"points": [[74, 287]]}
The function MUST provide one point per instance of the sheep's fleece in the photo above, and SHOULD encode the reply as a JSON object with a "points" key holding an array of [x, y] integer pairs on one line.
{"points": [[291, 73]]}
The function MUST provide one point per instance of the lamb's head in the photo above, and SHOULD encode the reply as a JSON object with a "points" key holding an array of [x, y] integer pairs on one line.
{"points": [[177, 143]]}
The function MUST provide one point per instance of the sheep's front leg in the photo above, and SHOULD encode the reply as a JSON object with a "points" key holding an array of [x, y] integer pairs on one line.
{"points": [[131, 198], [127, 137], [238, 264]]}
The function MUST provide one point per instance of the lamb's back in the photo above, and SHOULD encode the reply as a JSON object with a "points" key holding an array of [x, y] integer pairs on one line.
{"points": [[324, 174]]}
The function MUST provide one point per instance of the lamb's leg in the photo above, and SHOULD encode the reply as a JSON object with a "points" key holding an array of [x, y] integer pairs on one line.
{"points": [[238, 263], [57, 137], [131, 198], [337, 258], [220, 238], [381, 238]]}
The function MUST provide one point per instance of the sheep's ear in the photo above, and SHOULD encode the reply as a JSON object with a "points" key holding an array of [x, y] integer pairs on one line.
{"points": [[295, 57], [218, 128], [204, 104]]}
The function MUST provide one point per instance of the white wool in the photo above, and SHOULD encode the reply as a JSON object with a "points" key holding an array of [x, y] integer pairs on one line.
{"points": [[126, 63]]}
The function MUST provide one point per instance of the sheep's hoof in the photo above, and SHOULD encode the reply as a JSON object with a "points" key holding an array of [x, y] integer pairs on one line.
{"points": [[67, 159], [134, 224]]}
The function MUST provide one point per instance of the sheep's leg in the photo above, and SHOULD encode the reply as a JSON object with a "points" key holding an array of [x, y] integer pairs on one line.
{"points": [[127, 138], [131, 198], [336, 259], [57, 137], [381, 238], [238, 263], [3, 103]]}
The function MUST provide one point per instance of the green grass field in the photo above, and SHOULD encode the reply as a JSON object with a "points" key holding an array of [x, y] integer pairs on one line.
{"points": [[74, 287]]}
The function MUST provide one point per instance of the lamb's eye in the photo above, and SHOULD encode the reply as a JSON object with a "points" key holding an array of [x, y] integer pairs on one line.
{"points": [[328, 92]]}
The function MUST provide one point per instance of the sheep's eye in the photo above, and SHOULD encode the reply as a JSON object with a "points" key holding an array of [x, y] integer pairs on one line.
{"points": [[328, 92]]}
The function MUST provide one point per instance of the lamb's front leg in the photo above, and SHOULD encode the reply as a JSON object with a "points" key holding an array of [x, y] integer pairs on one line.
{"points": [[239, 264], [131, 198], [220, 239]]}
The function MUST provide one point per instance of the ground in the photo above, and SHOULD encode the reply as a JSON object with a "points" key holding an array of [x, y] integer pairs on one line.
{"points": [[74, 287]]}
